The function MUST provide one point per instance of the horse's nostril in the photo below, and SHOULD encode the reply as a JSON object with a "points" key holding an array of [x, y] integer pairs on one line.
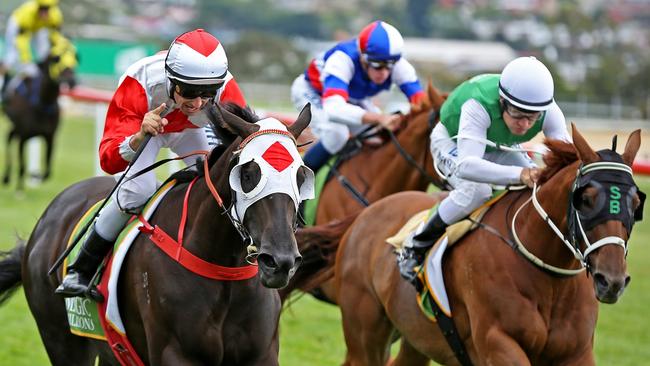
{"points": [[267, 261], [627, 280], [600, 280]]}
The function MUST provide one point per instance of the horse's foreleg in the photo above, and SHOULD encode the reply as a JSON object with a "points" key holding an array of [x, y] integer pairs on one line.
{"points": [[409, 356], [499, 348], [20, 184], [366, 328], [49, 143], [7, 175]]}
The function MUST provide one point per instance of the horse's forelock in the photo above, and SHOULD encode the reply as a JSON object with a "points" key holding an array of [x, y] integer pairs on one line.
{"points": [[561, 154], [229, 138]]}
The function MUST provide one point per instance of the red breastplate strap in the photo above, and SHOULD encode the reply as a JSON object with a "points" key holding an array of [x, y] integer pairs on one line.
{"points": [[175, 250]]}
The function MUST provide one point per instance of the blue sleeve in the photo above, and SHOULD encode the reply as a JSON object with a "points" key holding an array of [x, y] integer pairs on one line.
{"points": [[411, 88]]}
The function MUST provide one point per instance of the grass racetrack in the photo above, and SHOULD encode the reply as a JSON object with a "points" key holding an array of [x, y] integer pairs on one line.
{"points": [[310, 331]]}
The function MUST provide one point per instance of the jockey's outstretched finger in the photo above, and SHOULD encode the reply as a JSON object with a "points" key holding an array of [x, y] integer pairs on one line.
{"points": [[160, 109]]}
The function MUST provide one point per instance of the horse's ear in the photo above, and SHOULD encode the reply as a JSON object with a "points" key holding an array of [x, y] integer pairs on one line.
{"points": [[436, 97], [585, 152], [222, 117], [632, 147], [302, 121]]}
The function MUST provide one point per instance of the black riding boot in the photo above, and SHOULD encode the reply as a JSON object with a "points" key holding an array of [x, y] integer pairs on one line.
{"points": [[77, 280], [416, 247]]}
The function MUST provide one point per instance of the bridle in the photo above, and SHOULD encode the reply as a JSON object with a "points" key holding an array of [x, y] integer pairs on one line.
{"points": [[578, 221]]}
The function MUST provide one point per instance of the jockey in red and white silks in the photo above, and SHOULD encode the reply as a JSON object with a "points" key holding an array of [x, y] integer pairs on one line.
{"points": [[340, 83], [166, 96], [142, 88]]}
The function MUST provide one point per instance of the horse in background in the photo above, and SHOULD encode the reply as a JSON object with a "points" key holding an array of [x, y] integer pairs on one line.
{"points": [[404, 163], [172, 315], [33, 110], [509, 307]]}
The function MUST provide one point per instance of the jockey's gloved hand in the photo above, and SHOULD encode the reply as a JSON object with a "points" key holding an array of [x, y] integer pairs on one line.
{"points": [[390, 122], [529, 176]]}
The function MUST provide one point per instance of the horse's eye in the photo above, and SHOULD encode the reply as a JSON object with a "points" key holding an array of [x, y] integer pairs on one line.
{"points": [[250, 175], [587, 199], [300, 176]]}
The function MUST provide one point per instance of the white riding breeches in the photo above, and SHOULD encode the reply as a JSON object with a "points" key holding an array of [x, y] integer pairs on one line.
{"points": [[131, 195], [40, 43], [466, 195], [333, 135]]}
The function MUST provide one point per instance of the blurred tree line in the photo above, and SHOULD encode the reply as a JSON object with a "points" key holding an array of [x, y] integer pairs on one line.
{"points": [[260, 34], [265, 50]]}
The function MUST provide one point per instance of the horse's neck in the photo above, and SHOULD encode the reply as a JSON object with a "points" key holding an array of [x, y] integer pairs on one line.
{"points": [[392, 172], [210, 234], [535, 233], [49, 90]]}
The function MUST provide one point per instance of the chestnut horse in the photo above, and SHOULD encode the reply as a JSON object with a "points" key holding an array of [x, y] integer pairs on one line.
{"points": [[172, 315], [379, 172], [35, 113], [534, 305], [402, 164]]}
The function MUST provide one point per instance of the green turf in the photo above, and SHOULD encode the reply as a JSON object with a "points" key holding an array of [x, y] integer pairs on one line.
{"points": [[310, 330]]}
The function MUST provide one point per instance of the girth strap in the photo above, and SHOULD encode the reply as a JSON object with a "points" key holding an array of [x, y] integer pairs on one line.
{"points": [[448, 329]]}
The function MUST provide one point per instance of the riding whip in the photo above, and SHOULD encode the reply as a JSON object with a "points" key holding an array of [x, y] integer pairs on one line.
{"points": [[81, 233]]}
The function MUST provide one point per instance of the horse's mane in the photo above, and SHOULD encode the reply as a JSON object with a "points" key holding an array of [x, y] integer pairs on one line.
{"points": [[225, 135], [223, 131], [561, 154]]}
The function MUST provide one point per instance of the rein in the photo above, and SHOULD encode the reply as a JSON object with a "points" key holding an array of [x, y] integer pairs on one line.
{"points": [[409, 159], [369, 131]]}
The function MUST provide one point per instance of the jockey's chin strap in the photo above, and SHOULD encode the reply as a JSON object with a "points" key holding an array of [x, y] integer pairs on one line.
{"points": [[572, 243]]}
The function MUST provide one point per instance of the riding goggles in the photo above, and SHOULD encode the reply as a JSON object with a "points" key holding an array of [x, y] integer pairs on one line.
{"points": [[518, 114], [379, 64], [189, 91]]}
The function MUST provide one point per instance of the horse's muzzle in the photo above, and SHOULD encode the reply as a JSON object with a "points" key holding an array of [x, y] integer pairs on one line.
{"points": [[277, 270], [608, 289]]}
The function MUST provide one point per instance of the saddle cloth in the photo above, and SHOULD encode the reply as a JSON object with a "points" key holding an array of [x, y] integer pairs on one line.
{"points": [[89, 319], [430, 273]]}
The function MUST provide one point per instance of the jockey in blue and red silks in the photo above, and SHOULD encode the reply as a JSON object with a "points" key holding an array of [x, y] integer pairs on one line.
{"points": [[167, 96], [340, 83]]}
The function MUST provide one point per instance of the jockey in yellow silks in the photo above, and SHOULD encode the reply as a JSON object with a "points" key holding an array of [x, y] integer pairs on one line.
{"points": [[37, 22]]}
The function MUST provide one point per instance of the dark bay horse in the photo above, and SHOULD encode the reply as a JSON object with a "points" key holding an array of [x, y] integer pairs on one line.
{"points": [[376, 173], [171, 315], [33, 110], [509, 308]]}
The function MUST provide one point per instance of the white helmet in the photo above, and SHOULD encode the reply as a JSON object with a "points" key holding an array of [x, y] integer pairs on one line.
{"points": [[527, 84], [196, 58]]}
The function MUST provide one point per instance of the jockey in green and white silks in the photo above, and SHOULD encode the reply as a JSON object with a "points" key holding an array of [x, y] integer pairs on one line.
{"points": [[505, 109]]}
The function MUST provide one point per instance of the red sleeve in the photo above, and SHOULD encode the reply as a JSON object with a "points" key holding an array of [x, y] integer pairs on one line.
{"points": [[123, 119], [232, 93], [417, 97]]}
